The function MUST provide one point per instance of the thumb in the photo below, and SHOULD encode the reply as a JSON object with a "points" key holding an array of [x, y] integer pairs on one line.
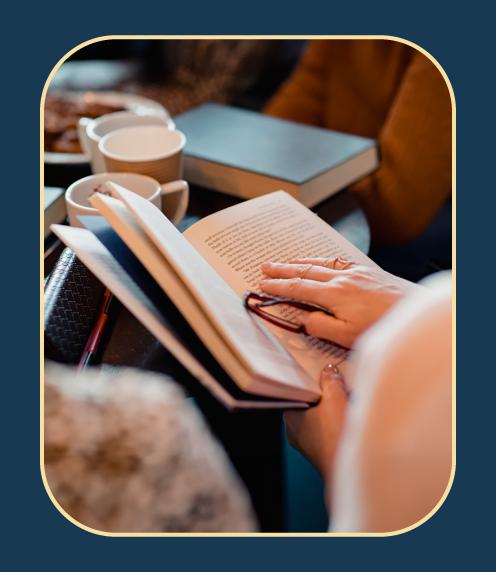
{"points": [[334, 390], [316, 431]]}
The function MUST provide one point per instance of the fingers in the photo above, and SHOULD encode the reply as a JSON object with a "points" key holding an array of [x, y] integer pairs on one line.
{"points": [[322, 325], [310, 271], [302, 289]]}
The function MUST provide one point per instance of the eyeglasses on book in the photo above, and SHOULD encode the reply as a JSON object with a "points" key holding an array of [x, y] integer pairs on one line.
{"points": [[256, 303]]}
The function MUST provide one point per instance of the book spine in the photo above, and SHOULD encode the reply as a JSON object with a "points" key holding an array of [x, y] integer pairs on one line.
{"points": [[232, 181]]}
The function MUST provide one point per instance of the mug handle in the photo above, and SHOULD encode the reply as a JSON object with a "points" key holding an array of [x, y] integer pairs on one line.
{"points": [[166, 121], [179, 186], [82, 136]]}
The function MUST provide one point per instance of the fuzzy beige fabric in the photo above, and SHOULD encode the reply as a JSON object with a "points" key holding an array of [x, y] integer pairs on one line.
{"points": [[126, 452]]}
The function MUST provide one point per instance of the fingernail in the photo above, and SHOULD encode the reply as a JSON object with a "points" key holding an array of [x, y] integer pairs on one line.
{"points": [[265, 265], [331, 374], [331, 369]]}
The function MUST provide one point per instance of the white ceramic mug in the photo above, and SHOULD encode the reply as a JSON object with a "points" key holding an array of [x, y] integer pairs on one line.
{"points": [[91, 131], [151, 150], [172, 198]]}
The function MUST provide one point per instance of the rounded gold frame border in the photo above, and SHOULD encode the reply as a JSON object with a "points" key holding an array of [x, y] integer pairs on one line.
{"points": [[249, 37]]}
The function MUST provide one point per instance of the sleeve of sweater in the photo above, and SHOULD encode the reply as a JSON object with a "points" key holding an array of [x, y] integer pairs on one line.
{"points": [[302, 97], [414, 178]]}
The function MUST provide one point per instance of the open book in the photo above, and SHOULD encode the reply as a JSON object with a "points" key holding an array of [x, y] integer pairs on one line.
{"points": [[187, 289]]}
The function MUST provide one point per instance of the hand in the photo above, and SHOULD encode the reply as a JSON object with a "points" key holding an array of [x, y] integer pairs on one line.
{"points": [[315, 432], [357, 295]]}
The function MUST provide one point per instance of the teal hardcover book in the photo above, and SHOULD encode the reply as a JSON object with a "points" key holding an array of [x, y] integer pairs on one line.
{"points": [[248, 154]]}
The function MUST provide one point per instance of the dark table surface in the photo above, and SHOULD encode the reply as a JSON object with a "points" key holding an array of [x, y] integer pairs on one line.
{"points": [[254, 440]]}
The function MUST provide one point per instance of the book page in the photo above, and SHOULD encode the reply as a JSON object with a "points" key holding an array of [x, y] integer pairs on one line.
{"points": [[276, 228]]}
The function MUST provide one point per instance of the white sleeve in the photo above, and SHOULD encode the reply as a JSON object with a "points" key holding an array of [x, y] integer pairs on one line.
{"points": [[394, 462]]}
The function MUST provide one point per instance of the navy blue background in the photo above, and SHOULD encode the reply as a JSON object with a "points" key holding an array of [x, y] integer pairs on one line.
{"points": [[34, 37]]}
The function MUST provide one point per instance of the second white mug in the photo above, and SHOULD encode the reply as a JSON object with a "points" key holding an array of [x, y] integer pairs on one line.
{"points": [[91, 131]]}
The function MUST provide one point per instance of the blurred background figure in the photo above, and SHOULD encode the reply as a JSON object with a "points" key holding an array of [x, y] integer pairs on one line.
{"points": [[390, 92], [181, 74], [126, 452]]}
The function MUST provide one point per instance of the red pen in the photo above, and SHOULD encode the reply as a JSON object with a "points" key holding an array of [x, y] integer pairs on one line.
{"points": [[96, 333]]}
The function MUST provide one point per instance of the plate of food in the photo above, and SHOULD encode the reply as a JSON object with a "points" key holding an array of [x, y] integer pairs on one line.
{"points": [[63, 109]]}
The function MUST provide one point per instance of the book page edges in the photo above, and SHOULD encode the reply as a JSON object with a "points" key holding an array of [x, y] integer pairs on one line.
{"points": [[248, 184]]}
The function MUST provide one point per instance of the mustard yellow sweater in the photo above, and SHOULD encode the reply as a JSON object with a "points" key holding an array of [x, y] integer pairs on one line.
{"points": [[391, 92]]}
